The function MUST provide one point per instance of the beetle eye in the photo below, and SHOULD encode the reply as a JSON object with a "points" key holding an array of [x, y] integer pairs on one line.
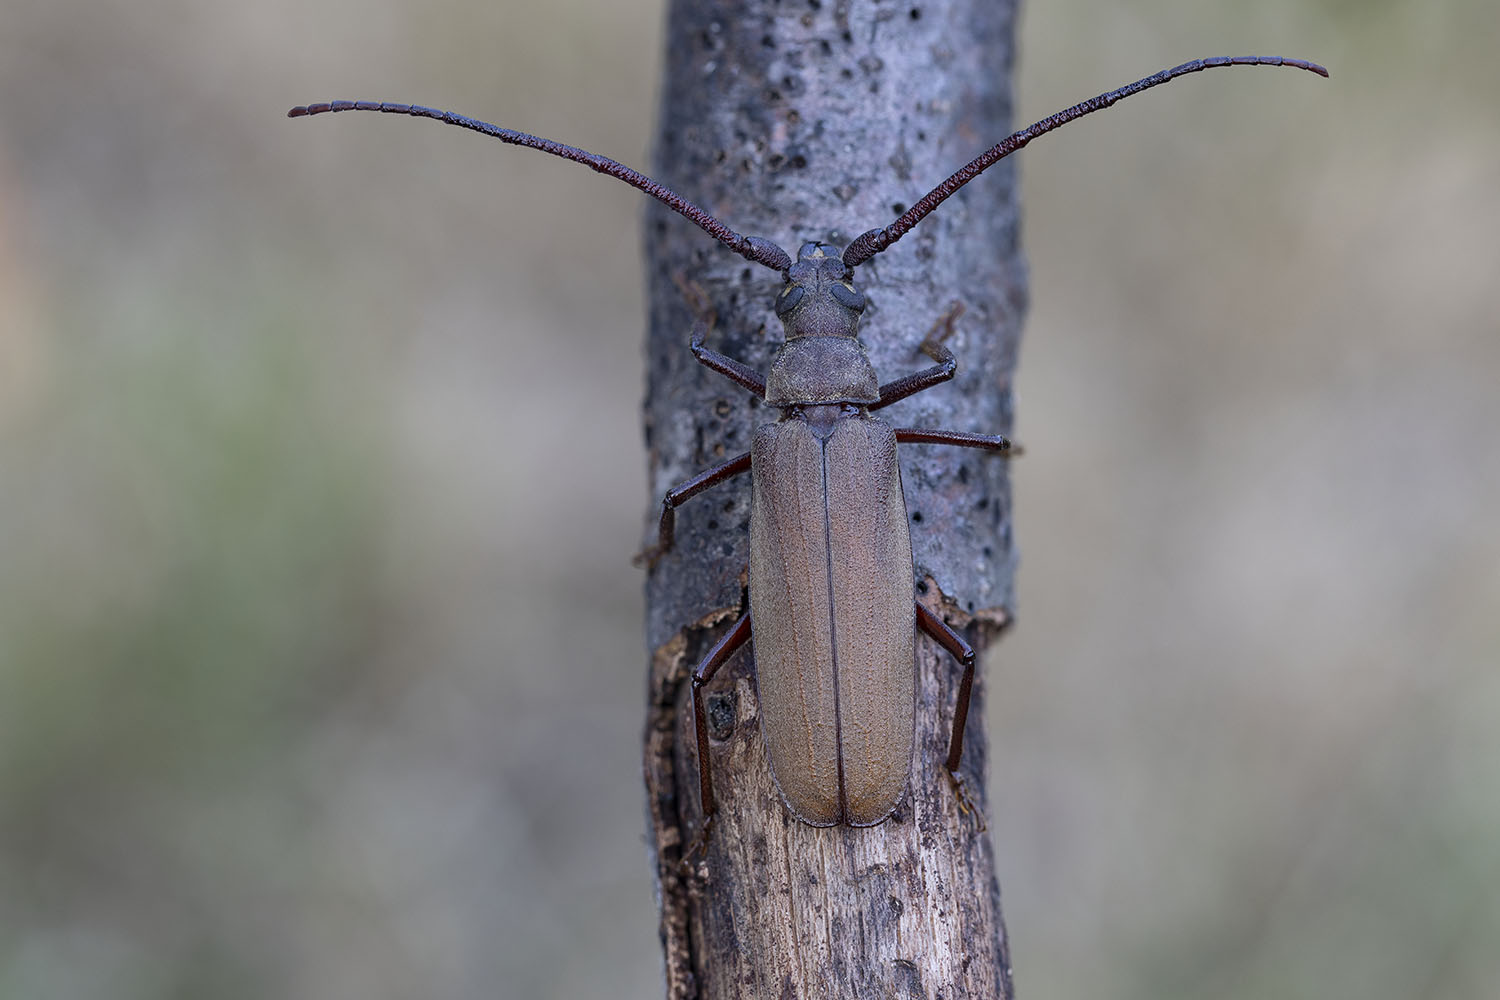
{"points": [[849, 298], [788, 299]]}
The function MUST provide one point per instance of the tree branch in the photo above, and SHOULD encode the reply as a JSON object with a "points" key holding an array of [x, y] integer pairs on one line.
{"points": [[794, 122]]}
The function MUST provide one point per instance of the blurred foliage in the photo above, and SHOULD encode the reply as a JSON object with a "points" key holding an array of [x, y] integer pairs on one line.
{"points": [[188, 539]]}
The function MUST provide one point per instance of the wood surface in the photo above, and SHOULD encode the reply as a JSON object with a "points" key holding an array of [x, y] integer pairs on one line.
{"points": [[818, 121]]}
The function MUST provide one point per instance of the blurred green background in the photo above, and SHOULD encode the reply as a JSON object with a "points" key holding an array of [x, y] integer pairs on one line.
{"points": [[321, 674]]}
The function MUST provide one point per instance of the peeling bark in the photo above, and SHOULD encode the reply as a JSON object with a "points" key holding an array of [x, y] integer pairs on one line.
{"points": [[801, 121]]}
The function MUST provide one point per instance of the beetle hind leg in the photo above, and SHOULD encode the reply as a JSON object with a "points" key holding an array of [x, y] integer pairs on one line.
{"points": [[964, 654], [722, 650]]}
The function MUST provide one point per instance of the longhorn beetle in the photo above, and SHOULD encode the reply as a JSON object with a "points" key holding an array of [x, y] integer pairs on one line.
{"points": [[832, 595]]}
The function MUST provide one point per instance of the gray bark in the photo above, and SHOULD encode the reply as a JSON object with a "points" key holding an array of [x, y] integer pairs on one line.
{"points": [[801, 121]]}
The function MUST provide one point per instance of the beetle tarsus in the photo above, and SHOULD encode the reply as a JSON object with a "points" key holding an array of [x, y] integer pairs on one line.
{"points": [[699, 846], [966, 805], [941, 330], [648, 557]]}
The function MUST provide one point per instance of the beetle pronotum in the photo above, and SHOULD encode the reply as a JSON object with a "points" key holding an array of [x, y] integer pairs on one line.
{"points": [[832, 594]]}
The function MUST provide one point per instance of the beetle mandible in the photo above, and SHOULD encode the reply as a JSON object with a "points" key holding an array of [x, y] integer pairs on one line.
{"points": [[832, 594]]}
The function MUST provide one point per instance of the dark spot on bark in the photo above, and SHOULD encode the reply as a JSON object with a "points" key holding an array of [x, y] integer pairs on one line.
{"points": [[916, 517], [799, 162], [846, 73], [915, 14], [773, 96], [982, 503], [728, 506], [793, 117], [987, 552], [720, 706], [908, 980], [722, 407], [825, 48], [922, 587], [712, 525], [897, 207]]}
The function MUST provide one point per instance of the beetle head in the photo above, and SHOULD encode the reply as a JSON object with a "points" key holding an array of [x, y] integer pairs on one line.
{"points": [[819, 299]]}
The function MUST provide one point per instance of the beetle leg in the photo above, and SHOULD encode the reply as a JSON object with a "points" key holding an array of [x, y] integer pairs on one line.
{"points": [[961, 439], [932, 346], [964, 654], [716, 658], [679, 495], [735, 371]]}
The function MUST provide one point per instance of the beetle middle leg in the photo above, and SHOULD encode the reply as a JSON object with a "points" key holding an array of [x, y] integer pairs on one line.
{"points": [[959, 439], [667, 532]]}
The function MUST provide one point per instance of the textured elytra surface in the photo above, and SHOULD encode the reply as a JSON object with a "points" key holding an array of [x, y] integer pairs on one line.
{"points": [[828, 574], [795, 123]]}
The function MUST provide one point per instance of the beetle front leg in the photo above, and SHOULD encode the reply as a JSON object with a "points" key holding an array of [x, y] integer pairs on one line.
{"points": [[932, 346], [964, 654], [735, 371], [667, 532]]}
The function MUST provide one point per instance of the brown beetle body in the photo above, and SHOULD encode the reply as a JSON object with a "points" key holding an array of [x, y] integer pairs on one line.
{"points": [[830, 573], [831, 580], [831, 568], [832, 592]]}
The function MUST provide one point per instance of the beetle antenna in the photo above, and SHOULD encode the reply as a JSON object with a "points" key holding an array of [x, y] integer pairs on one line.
{"points": [[753, 248], [876, 240]]}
